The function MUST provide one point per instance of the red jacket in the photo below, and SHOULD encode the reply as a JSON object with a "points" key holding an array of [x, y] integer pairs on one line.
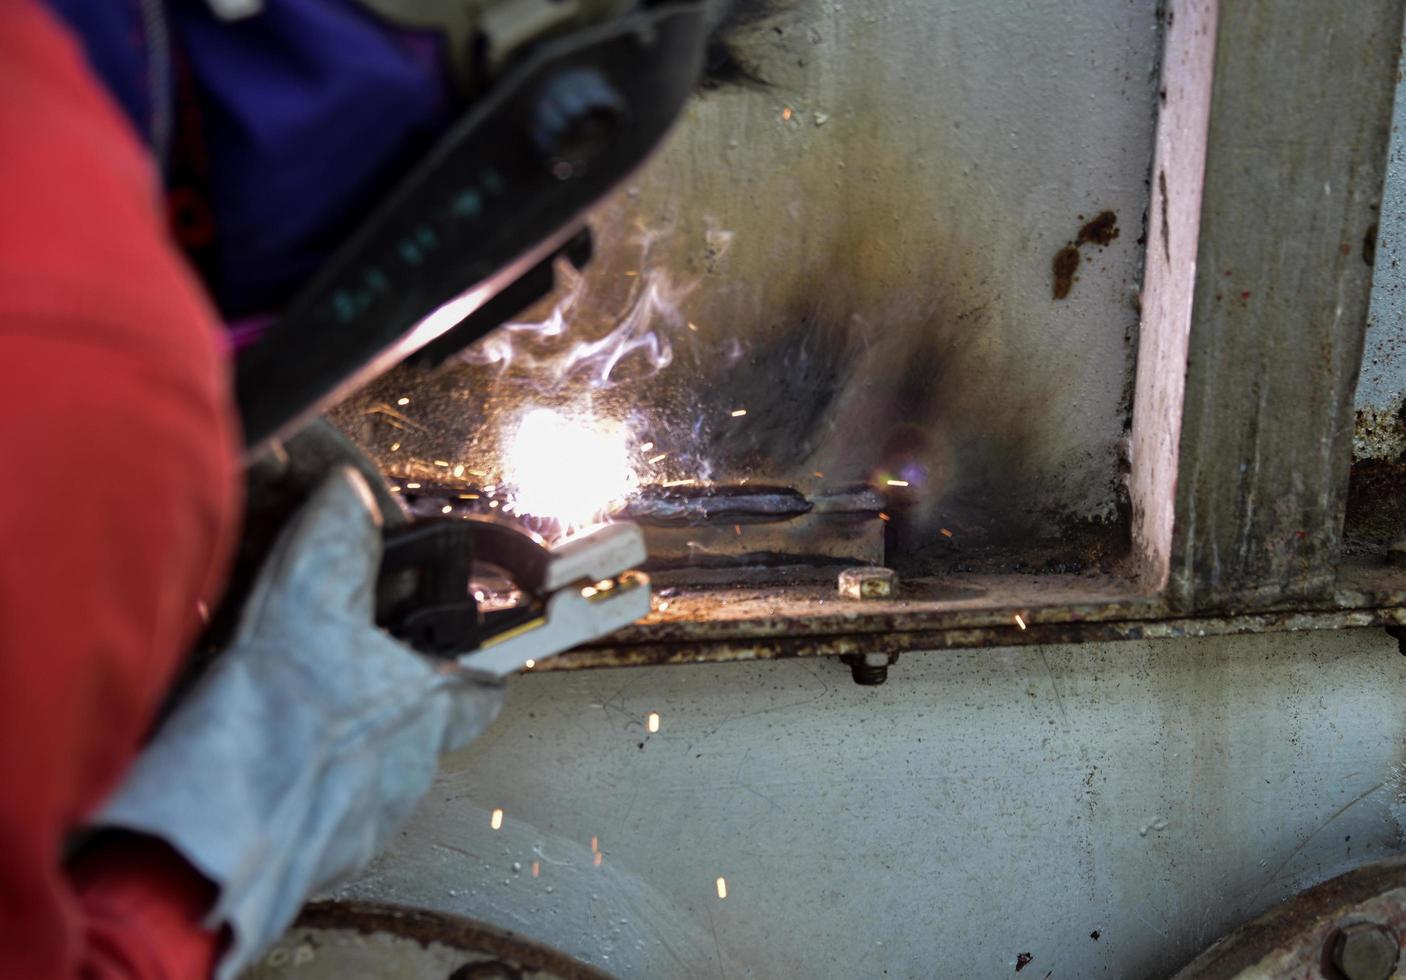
{"points": [[117, 509]]}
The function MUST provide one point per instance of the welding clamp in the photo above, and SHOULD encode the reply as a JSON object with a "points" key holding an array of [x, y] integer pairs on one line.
{"points": [[579, 590]]}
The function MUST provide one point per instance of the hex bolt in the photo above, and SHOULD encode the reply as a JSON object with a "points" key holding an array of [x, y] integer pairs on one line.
{"points": [[1364, 951], [868, 582], [869, 669]]}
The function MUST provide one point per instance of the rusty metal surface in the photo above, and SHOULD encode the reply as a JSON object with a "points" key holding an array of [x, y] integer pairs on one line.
{"points": [[333, 940], [1294, 940], [700, 625]]}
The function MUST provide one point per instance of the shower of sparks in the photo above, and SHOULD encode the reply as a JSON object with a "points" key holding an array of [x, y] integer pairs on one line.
{"points": [[897, 483], [402, 401], [1019, 622], [653, 721], [497, 820], [737, 413], [569, 470], [722, 887]]}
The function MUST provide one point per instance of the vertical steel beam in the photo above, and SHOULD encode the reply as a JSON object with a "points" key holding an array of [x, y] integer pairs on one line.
{"points": [[1266, 178]]}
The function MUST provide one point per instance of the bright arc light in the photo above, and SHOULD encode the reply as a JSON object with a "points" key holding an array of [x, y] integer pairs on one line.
{"points": [[569, 470]]}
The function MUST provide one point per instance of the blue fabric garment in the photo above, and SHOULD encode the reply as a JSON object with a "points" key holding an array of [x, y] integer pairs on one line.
{"points": [[115, 39], [308, 113]]}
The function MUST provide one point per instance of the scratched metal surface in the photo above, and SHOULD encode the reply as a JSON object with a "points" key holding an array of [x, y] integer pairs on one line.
{"points": [[862, 233], [979, 806]]}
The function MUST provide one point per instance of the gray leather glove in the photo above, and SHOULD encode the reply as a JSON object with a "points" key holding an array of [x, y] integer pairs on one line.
{"points": [[292, 760]]}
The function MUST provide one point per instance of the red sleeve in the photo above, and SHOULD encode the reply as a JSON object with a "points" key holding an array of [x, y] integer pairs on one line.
{"points": [[117, 508]]}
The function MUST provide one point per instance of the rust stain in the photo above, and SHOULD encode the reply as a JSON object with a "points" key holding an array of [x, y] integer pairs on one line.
{"points": [[1100, 230], [1066, 263]]}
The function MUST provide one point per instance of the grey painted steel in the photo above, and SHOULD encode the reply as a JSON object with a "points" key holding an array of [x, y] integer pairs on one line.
{"points": [[864, 243], [978, 806], [1296, 149]]}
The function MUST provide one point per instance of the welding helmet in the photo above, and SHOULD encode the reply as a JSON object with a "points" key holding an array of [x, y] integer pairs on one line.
{"points": [[356, 178], [564, 98]]}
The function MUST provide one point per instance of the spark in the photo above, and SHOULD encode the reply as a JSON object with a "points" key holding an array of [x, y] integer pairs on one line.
{"points": [[446, 509], [897, 483], [653, 721], [817, 473], [646, 447], [737, 413], [468, 496], [678, 483], [529, 664], [395, 447], [883, 516], [459, 471], [632, 272], [738, 529], [693, 326], [202, 610], [658, 459], [497, 820], [722, 887], [599, 858], [536, 869], [493, 503], [412, 486], [442, 462], [595, 844], [402, 401], [569, 469], [786, 114], [395, 489], [946, 533], [1019, 622]]}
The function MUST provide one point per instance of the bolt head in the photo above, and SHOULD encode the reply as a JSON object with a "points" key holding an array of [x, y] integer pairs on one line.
{"points": [[1364, 951], [868, 583]]}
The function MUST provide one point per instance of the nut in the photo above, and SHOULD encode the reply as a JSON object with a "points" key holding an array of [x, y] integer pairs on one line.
{"points": [[1365, 952], [868, 583]]}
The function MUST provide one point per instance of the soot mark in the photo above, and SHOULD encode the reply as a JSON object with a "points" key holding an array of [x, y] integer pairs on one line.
{"points": [[1094, 935], [1099, 230], [1166, 230], [1022, 961]]}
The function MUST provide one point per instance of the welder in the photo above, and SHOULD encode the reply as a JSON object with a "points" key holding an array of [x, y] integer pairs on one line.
{"points": [[170, 169]]}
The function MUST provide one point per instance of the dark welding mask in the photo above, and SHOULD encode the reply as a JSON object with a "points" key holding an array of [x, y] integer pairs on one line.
{"points": [[564, 99]]}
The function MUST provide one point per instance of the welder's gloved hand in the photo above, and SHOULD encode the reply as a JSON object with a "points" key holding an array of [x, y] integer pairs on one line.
{"points": [[309, 740]]}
